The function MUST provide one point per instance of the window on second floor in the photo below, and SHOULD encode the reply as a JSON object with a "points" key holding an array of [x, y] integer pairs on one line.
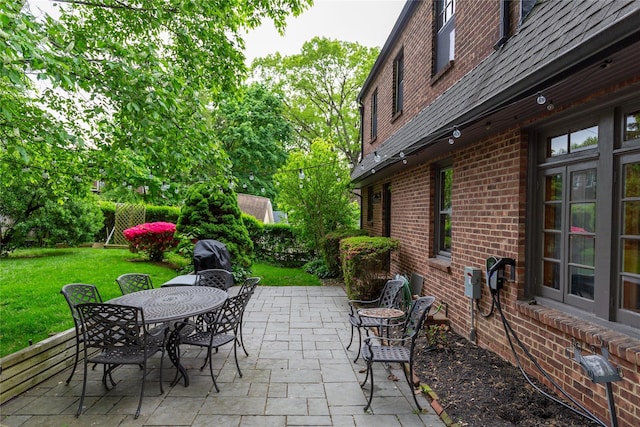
{"points": [[444, 46], [374, 115], [398, 83]]}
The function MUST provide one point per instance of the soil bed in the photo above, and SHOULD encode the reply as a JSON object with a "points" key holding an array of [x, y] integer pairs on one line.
{"points": [[477, 388]]}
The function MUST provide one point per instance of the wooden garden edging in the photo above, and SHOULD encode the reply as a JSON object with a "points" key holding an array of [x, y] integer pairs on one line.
{"points": [[29, 367]]}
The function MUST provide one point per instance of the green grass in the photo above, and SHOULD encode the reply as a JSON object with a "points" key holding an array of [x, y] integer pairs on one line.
{"points": [[32, 308], [278, 276]]}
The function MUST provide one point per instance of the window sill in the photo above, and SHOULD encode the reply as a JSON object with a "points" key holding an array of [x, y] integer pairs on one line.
{"points": [[619, 344], [437, 76], [396, 116], [440, 264]]}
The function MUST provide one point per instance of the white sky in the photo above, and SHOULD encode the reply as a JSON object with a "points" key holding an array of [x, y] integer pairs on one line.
{"points": [[368, 22]]}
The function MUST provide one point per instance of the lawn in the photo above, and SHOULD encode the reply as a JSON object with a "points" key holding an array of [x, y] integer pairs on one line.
{"points": [[32, 308]]}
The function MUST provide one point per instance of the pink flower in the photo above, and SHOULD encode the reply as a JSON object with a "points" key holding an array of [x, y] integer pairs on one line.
{"points": [[152, 237]]}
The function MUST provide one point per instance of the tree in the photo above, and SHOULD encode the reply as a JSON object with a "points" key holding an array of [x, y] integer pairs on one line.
{"points": [[211, 211], [252, 131], [320, 87], [117, 78], [314, 190]]}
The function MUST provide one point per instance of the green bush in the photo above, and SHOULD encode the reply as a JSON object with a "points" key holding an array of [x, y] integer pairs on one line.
{"points": [[318, 268], [366, 264], [255, 228], [280, 245], [330, 248], [211, 211]]}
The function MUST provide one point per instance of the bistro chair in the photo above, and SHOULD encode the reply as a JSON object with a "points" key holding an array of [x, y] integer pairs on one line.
{"points": [[398, 350], [134, 282], [215, 278], [390, 297], [74, 294], [116, 335], [217, 328]]}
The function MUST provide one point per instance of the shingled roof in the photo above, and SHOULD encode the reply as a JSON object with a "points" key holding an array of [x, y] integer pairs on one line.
{"points": [[556, 36], [256, 206]]}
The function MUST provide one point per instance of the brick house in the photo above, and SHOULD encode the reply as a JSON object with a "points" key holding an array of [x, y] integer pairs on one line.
{"points": [[486, 128]]}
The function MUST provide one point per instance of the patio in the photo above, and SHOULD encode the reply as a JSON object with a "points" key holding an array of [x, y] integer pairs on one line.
{"points": [[297, 373]]}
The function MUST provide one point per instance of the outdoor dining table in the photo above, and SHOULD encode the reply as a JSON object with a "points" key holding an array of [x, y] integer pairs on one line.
{"points": [[183, 280], [162, 305]]}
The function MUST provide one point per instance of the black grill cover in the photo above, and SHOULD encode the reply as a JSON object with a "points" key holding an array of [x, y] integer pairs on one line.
{"points": [[210, 253]]}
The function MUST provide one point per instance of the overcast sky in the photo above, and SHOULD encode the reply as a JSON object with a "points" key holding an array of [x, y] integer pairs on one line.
{"points": [[367, 22]]}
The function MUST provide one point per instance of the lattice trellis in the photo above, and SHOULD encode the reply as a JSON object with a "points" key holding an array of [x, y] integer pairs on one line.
{"points": [[127, 215]]}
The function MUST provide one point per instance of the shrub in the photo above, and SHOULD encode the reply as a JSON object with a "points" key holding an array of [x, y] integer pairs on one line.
{"points": [[211, 211], [366, 264], [281, 245], [330, 247], [153, 238]]}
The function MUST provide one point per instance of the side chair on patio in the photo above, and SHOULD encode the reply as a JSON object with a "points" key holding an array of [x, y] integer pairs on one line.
{"points": [[390, 297], [217, 328], [398, 350], [215, 278], [74, 294], [116, 335], [134, 282]]}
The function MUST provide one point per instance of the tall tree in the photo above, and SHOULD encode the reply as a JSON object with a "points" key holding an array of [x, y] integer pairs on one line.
{"points": [[320, 86], [252, 131], [119, 77], [314, 190]]}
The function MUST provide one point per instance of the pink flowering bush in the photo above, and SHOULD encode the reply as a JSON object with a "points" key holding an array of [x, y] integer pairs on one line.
{"points": [[153, 238]]}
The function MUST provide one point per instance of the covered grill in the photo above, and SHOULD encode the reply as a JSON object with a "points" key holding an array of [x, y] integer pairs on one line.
{"points": [[209, 254]]}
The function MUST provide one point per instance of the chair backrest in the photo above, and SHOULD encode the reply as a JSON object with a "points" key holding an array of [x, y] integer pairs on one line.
{"points": [[417, 315], [391, 296], [134, 282], [79, 293], [112, 326], [230, 314], [249, 283], [215, 278]]}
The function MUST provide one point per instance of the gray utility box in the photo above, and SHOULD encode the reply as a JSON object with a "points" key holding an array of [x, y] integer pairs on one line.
{"points": [[472, 282]]}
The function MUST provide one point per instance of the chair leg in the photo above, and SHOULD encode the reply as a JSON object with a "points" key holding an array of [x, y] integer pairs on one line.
{"points": [[235, 355], [144, 379], [359, 345], [242, 339], [350, 338], [369, 373], [215, 384], [75, 362], [409, 377], [84, 390]]}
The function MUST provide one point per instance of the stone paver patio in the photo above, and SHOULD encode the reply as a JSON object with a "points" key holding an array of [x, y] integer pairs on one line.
{"points": [[298, 373]]}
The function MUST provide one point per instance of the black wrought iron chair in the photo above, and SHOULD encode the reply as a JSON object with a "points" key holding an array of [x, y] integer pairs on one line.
{"points": [[390, 297], [134, 282], [398, 350], [217, 328], [119, 336], [215, 278], [74, 294]]}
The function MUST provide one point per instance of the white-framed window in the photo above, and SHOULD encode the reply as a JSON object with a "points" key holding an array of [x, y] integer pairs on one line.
{"points": [[445, 36], [443, 211]]}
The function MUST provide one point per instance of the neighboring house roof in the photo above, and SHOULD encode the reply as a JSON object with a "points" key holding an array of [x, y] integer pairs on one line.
{"points": [[256, 206], [556, 37]]}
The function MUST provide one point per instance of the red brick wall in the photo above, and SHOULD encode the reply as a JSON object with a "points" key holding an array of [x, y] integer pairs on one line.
{"points": [[477, 30], [492, 222]]}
